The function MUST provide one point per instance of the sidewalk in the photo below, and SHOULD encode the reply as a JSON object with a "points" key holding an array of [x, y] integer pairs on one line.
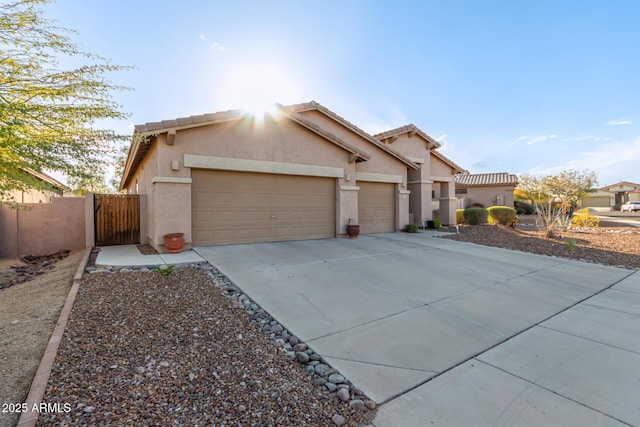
{"points": [[130, 256]]}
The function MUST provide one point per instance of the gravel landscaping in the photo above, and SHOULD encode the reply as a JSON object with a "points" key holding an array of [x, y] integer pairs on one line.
{"points": [[611, 243], [185, 347]]}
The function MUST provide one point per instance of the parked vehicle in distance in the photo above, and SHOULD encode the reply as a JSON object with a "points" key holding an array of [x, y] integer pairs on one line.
{"points": [[630, 206]]}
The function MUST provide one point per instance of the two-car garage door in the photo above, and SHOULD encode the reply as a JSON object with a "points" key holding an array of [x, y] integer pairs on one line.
{"points": [[242, 207]]}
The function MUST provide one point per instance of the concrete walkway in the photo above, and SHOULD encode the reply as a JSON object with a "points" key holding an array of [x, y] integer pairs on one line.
{"points": [[130, 256], [451, 333]]}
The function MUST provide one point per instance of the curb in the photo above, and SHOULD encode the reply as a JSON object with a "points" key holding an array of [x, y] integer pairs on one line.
{"points": [[41, 378]]}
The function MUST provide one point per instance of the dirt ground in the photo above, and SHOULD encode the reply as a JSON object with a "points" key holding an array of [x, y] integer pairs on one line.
{"points": [[28, 313]]}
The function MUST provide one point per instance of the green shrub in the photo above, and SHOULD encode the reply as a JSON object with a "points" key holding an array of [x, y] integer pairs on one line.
{"points": [[165, 270], [570, 243], [411, 228], [502, 215], [459, 216], [437, 223], [475, 216], [584, 219], [523, 208]]}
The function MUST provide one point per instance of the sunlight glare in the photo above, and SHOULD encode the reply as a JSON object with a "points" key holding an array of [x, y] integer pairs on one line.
{"points": [[257, 87]]}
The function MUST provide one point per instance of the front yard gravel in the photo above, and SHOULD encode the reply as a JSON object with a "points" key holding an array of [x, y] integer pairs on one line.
{"points": [[610, 244], [145, 348]]}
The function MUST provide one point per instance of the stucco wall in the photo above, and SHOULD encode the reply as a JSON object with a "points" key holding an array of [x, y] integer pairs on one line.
{"points": [[440, 168], [144, 176], [281, 140], [32, 196], [44, 228], [275, 141], [8, 232], [414, 146], [380, 161], [490, 196]]}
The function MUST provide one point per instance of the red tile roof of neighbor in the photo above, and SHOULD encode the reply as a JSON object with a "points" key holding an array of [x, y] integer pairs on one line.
{"points": [[485, 179]]}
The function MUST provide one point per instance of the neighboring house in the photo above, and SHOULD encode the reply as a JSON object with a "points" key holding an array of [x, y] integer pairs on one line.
{"points": [[300, 172], [54, 188], [486, 189], [624, 191]]}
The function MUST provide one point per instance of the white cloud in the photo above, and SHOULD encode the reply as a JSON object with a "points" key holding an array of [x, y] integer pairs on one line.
{"points": [[618, 122], [218, 46], [582, 138], [535, 139], [616, 161], [443, 140], [214, 45]]}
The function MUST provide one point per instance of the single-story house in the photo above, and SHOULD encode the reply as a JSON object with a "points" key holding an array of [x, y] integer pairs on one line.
{"points": [[624, 191], [486, 189], [298, 172]]}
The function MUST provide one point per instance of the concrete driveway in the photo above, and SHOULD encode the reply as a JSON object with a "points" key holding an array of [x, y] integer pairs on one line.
{"points": [[450, 333]]}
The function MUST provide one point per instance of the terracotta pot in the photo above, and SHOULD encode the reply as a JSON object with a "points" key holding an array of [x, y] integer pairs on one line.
{"points": [[174, 242], [353, 231]]}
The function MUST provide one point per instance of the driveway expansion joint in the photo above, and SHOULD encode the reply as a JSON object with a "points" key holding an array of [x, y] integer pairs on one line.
{"points": [[551, 391]]}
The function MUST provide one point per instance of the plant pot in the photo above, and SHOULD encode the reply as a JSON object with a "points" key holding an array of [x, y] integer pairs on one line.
{"points": [[174, 242], [353, 231]]}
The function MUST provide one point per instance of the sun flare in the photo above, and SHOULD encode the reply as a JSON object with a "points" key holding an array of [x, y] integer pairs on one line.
{"points": [[257, 87]]}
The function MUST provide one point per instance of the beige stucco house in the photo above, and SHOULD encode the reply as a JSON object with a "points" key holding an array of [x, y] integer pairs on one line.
{"points": [[298, 172], [432, 185], [486, 189], [623, 191], [52, 188]]}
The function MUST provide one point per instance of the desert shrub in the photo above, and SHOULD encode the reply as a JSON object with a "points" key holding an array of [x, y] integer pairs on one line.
{"points": [[411, 228], [584, 219], [475, 216], [477, 205], [523, 208], [502, 215], [437, 223], [570, 243], [459, 216]]}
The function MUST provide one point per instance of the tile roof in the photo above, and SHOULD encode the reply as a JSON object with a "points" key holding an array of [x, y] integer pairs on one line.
{"points": [[48, 179], [482, 179], [139, 148], [191, 120], [612, 187], [457, 169], [313, 105], [406, 129]]}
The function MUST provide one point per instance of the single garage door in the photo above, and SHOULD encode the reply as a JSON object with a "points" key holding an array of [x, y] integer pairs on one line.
{"points": [[240, 207], [376, 207]]}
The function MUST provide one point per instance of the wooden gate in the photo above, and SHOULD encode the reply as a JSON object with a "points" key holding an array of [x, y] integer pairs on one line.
{"points": [[117, 219]]}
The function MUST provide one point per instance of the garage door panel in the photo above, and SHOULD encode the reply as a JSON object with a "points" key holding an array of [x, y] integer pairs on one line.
{"points": [[376, 207], [237, 207]]}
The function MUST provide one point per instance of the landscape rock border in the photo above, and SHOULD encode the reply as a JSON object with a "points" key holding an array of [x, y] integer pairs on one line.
{"points": [[319, 371]]}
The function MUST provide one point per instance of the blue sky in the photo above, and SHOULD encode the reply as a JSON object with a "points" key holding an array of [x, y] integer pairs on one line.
{"points": [[513, 86]]}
